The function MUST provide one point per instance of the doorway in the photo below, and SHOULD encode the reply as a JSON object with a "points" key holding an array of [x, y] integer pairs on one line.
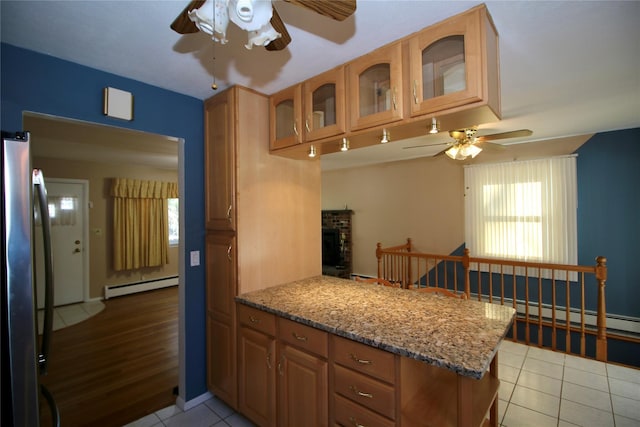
{"points": [[70, 139], [69, 235]]}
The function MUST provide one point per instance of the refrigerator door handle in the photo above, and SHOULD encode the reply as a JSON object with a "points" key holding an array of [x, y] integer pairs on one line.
{"points": [[40, 192]]}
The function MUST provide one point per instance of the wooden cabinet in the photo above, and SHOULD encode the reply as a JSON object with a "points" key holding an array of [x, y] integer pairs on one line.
{"points": [[221, 340], [263, 226], [257, 375], [455, 64], [449, 71], [285, 110], [220, 162], [302, 380], [375, 89], [366, 377], [324, 105], [309, 111]]}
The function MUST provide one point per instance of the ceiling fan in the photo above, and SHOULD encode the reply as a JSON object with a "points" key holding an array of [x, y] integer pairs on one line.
{"points": [[258, 17], [465, 142]]}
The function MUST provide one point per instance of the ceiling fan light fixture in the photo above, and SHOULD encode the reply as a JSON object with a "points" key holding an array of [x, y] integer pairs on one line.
{"points": [[253, 16], [344, 146], [212, 18], [250, 15], [472, 150], [265, 35]]}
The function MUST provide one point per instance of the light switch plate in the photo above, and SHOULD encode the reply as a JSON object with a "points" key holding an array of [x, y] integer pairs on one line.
{"points": [[195, 258]]}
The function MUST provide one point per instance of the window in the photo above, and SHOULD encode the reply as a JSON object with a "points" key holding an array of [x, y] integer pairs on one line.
{"points": [[173, 211], [522, 210]]}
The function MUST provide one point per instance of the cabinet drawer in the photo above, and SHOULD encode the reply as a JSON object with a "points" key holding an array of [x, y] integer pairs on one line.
{"points": [[257, 319], [369, 360], [349, 414], [302, 336], [365, 390]]}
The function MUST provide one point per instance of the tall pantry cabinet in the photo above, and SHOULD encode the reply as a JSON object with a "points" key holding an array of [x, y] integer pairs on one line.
{"points": [[262, 217]]}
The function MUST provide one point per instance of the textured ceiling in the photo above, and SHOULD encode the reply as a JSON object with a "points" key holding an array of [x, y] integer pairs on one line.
{"points": [[567, 68]]}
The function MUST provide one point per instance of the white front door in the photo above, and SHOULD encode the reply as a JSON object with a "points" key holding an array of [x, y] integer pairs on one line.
{"points": [[67, 209]]}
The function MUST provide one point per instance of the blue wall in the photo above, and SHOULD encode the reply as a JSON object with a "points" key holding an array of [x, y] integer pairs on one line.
{"points": [[609, 213], [39, 83]]}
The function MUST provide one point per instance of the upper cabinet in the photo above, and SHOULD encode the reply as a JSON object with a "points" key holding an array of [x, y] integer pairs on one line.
{"points": [[374, 84], [324, 105], [285, 110], [220, 162], [308, 111], [454, 64], [449, 71]]}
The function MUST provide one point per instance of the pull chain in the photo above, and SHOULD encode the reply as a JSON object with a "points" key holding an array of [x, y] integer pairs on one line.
{"points": [[214, 86]]}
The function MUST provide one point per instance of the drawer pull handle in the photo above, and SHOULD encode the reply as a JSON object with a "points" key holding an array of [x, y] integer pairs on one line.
{"points": [[356, 423], [299, 337], [360, 361], [355, 390], [253, 319]]}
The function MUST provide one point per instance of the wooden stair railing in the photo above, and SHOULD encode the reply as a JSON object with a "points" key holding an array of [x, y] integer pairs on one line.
{"points": [[550, 299]]}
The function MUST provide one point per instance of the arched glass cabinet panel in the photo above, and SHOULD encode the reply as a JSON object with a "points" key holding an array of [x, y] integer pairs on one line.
{"points": [[285, 119], [375, 87], [455, 64], [285, 110], [324, 105], [443, 67]]}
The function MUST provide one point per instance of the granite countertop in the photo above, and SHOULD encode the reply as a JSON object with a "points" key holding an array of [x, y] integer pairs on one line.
{"points": [[460, 335]]}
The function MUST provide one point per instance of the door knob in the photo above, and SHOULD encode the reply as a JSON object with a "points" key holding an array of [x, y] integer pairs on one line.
{"points": [[77, 242], [76, 250]]}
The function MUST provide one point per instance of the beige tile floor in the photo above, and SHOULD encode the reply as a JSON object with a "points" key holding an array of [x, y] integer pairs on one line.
{"points": [[67, 315], [539, 388]]}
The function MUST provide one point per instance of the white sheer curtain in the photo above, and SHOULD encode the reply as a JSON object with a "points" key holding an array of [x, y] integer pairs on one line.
{"points": [[523, 210]]}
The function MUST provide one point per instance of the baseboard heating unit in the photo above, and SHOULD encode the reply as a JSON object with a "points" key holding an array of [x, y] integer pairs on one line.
{"points": [[111, 291]]}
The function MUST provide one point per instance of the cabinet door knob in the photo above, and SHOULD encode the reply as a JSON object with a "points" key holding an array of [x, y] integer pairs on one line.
{"points": [[269, 361], [229, 213], [229, 252], [356, 423], [415, 91], [306, 124]]}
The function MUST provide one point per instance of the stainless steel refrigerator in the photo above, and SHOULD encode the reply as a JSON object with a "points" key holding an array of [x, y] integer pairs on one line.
{"points": [[24, 354]]}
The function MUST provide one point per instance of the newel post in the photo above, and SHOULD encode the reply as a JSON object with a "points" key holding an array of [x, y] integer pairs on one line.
{"points": [[379, 256], [465, 265], [601, 342]]}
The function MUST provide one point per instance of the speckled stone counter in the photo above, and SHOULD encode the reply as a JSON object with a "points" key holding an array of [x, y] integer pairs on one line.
{"points": [[460, 335]]}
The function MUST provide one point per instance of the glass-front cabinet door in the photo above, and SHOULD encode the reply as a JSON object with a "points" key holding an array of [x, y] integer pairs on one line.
{"points": [[375, 88], [324, 105], [285, 110], [448, 63]]}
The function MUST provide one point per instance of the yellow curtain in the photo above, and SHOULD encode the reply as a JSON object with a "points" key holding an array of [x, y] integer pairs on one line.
{"points": [[140, 222]]}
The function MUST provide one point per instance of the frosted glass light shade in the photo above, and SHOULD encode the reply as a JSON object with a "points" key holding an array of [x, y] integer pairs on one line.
{"points": [[250, 15], [214, 25]]}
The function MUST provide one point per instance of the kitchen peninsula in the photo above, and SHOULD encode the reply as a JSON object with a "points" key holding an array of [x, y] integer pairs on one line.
{"points": [[372, 355]]}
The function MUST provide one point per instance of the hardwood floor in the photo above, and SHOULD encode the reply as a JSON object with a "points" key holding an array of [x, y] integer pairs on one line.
{"points": [[119, 365]]}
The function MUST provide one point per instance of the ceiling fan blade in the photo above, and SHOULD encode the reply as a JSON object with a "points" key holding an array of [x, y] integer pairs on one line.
{"points": [[425, 145], [334, 9], [182, 24], [504, 135], [278, 25], [491, 146]]}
